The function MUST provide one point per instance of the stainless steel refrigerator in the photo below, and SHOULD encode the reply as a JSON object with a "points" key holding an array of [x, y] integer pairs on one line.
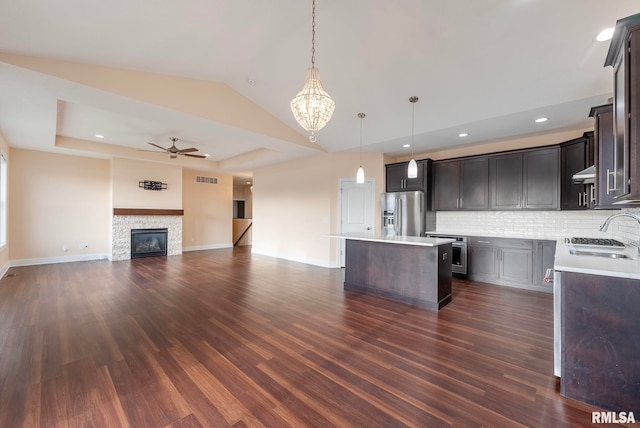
{"points": [[403, 213]]}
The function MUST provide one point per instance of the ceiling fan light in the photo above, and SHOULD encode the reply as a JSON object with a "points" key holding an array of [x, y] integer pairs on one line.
{"points": [[412, 169]]}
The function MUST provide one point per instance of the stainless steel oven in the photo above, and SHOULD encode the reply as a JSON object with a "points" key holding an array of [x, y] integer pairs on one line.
{"points": [[459, 250]]}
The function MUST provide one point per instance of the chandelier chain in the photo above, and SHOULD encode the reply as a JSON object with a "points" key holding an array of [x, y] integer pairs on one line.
{"points": [[313, 33]]}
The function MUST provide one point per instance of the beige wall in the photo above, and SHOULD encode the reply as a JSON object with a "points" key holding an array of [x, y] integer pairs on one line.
{"points": [[208, 212], [126, 174], [4, 250], [57, 202], [295, 205]]}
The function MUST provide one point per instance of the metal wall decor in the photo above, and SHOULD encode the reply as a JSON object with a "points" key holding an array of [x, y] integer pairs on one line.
{"points": [[152, 185]]}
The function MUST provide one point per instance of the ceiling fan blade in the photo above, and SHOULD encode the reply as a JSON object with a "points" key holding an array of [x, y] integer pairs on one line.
{"points": [[194, 156], [160, 147], [189, 150]]}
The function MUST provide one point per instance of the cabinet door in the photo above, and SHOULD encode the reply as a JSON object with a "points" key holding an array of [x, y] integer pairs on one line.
{"points": [[506, 181], [541, 179], [516, 265], [397, 180], [447, 185], [475, 184], [604, 149], [483, 261], [545, 252], [573, 158]]}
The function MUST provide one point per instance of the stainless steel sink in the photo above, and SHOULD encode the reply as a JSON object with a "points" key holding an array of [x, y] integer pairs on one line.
{"points": [[599, 254]]}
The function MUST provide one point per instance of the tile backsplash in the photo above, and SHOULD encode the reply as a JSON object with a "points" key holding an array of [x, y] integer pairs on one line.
{"points": [[539, 224]]}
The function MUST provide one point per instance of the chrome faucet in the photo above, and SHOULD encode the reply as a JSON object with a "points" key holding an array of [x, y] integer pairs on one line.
{"points": [[636, 217]]}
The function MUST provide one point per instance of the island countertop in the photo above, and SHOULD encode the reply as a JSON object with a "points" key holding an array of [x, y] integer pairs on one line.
{"points": [[597, 265], [404, 240]]}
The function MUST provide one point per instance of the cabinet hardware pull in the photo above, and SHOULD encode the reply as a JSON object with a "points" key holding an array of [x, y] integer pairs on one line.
{"points": [[609, 174], [593, 193], [580, 199]]}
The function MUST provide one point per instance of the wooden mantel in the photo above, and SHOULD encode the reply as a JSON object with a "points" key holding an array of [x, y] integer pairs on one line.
{"points": [[145, 211]]}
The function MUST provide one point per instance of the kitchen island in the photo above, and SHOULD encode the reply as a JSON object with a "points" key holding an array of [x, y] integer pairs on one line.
{"points": [[596, 323], [409, 269]]}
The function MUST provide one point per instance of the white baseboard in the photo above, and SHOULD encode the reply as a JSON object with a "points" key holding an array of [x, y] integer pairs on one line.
{"points": [[207, 247], [62, 259], [4, 269]]}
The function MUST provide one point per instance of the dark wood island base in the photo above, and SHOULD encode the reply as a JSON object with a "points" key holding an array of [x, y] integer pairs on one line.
{"points": [[414, 274]]}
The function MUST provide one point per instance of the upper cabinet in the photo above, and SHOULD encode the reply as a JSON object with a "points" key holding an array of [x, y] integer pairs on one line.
{"points": [[524, 179], [624, 57], [541, 182], [397, 180], [575, 156], [506, 181], [462, 184], [603, 150]]}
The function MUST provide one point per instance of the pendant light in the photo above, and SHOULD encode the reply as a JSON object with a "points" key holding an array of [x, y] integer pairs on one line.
{"points": [[312, 107], [412, 170], [360, 173]]}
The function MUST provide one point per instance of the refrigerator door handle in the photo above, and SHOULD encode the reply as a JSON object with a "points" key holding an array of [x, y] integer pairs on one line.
{"points": [[397, 214]]}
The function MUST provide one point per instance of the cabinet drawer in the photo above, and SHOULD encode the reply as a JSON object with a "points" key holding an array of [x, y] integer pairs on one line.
{"points": [[502, 242]]}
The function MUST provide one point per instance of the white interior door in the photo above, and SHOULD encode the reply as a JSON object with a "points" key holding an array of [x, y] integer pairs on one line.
{"points": [[357, 209]]}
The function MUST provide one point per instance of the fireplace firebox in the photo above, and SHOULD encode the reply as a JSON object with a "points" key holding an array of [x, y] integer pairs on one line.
{"points": [[148, 242]]}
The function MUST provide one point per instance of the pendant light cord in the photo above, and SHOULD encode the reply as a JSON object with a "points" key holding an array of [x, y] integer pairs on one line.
{"points": [[413, 100], [361, 116]]}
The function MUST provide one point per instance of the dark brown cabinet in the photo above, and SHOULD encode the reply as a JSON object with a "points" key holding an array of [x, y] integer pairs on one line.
{"points": [[603, 190], [462, 184], [397, 180], [501, 260], [543, 259], [624, 57], [506, 181], [541, 182], [575, 156], [514, 262]]}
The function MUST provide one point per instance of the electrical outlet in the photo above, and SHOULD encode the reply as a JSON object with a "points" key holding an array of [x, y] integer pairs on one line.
{"points": [[84, 246]]}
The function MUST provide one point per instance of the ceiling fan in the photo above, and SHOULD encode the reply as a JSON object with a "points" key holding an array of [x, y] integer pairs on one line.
{"points": [[173, 151]]}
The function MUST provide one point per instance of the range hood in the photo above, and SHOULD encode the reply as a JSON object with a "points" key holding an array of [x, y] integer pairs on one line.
{"points": [[586, 176]]}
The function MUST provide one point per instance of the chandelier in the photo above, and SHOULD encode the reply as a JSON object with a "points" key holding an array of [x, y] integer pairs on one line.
{"points": [[312, 107]]}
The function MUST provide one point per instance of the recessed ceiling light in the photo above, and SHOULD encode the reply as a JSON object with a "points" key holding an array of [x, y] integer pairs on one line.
{"points": [[251, 81], [605, 35], [406, 145], [463, 134], [99, 136], [541, 119]]}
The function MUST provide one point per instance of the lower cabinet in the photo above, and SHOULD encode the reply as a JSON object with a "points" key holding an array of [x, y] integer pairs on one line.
{"points": [[514, 262]]}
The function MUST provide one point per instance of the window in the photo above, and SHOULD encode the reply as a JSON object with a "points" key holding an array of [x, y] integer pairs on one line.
{"points": [[3, 200]]}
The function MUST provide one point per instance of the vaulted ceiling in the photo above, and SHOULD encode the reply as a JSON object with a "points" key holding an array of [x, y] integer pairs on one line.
{"points": [[219, 74]]}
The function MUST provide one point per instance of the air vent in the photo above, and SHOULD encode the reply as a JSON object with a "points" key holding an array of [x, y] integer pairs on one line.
{"points": [[208, 180]]}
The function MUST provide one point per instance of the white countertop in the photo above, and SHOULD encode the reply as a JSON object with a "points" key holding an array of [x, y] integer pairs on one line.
{"points": [[404, 240], [597, 265]]}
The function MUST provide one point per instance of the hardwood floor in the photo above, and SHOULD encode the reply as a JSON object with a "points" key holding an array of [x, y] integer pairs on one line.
{"points": [[225, 338]]}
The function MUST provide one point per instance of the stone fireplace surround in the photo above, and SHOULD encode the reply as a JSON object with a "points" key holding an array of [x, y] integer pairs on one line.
{"points": [[125, 219]]}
